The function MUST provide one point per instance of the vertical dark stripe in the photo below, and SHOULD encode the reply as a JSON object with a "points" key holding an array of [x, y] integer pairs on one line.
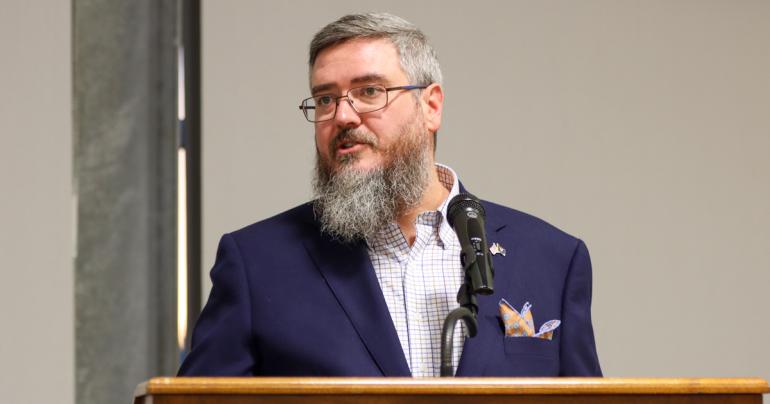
{"points": [[191, 40]]}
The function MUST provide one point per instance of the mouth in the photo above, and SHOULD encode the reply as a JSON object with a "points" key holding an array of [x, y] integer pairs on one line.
{"points": [[349, 147], [348, 144]]}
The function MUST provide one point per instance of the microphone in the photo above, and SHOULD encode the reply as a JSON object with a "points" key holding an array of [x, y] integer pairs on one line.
{"points": [[466, 216]]}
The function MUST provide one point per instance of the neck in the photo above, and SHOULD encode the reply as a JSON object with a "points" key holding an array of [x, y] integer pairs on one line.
{"points": [[434, 195]]}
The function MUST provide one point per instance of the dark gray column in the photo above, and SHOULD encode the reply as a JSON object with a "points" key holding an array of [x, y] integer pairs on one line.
{"points": [[125, 170]]}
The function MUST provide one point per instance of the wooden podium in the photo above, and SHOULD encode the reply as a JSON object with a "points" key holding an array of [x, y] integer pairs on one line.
{"points": [[225, 390]]}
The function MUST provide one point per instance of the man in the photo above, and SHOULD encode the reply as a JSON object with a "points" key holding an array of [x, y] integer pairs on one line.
{"points": [[359, 281]]}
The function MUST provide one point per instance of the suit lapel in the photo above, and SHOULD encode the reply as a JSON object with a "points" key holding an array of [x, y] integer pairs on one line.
{"points": [[349, 273], [477, 349]]}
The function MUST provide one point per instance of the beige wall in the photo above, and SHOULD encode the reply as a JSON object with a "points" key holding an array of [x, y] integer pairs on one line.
{"points": [[36, 217], [642, 127]]}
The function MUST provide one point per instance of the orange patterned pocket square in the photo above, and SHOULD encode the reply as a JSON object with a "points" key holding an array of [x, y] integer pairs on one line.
{"points": [[521, 324]]}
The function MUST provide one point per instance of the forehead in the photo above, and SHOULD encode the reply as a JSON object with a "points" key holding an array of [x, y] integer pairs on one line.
{"points": [[345, 64]]}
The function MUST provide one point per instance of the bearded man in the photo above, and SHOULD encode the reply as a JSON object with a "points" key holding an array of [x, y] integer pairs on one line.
{"points": [[358, 281]]}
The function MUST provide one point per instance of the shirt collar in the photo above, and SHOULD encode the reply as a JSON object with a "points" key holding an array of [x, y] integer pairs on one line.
{"points": [[449, 179]]}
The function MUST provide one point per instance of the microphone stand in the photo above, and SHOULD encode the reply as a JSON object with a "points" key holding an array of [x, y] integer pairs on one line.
{"points": [[466, 312]]}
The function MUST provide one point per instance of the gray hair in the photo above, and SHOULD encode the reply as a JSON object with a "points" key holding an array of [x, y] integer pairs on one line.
{"points": [[417, 57]]}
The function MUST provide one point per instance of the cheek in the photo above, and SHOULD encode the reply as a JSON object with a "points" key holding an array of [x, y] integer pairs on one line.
{"points": [[322, 138]]}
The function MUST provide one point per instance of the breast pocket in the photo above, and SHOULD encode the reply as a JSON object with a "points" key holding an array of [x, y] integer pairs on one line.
{"points": [[530, 357], [531, 346]]}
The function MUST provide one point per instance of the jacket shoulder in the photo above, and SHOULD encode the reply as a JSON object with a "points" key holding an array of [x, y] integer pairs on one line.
{"points": [[294, 222], [525, 225]]}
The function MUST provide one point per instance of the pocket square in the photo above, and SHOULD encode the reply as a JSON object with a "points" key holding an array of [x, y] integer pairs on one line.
{"points": [[522, 324]]}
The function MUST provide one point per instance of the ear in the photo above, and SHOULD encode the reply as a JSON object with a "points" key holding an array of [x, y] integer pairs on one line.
{"points": [[432, 105]]}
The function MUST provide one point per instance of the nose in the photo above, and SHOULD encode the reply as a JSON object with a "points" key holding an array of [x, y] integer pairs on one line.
{"points": [[346, 116]]}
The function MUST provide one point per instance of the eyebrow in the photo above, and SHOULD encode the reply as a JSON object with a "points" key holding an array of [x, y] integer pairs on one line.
{"points": [[367, 78]]}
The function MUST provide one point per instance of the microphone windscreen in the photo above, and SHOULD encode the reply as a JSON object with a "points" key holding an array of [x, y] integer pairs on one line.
{"points": [[463, 202]]}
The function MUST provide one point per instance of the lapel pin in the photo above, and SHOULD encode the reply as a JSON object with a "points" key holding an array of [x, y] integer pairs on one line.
{"points": [[496, 248]]}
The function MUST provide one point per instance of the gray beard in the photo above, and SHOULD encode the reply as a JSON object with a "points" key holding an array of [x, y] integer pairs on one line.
{"points": [[354, 205]]}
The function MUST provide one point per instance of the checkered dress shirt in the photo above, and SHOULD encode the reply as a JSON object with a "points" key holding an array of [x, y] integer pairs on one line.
{"points": [[420, 282]]}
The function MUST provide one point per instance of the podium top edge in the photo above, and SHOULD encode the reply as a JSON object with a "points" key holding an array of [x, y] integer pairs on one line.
{"points": [[458, 386]]}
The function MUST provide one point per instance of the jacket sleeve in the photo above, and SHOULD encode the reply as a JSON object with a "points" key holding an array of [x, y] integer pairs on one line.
{"points": [[578, 348], [222, 338]]}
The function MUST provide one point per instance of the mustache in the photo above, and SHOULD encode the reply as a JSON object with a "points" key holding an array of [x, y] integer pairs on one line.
{"points": [[352, 136]]}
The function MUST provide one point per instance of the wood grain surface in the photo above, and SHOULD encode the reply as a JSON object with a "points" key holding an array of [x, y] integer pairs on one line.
{"points": [[454, 386]]}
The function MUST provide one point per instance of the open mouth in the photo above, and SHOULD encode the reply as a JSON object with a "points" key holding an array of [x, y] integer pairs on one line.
{"points": [[349, 143], [349, 147]]}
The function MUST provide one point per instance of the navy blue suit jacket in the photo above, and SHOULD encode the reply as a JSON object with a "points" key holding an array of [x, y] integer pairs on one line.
{"points": [[288, 300]]}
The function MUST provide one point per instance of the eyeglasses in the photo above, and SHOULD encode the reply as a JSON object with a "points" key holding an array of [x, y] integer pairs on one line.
{"points": [[368, 98]]}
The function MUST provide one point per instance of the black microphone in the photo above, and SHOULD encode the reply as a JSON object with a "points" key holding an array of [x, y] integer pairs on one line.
{"points": [[466, 216]]}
